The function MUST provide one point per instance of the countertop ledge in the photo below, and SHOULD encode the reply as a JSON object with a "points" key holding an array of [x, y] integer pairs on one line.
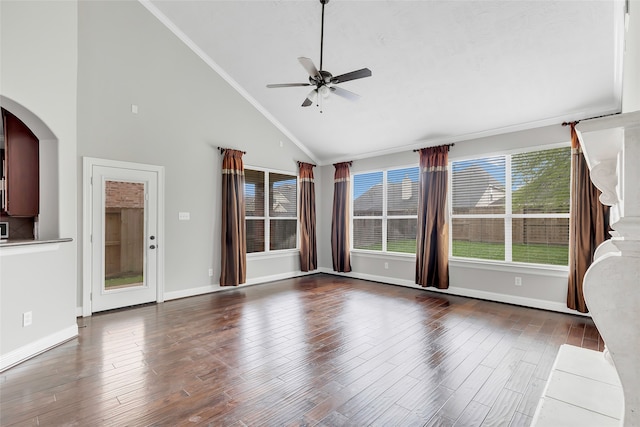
{"points": [[13, 243]]}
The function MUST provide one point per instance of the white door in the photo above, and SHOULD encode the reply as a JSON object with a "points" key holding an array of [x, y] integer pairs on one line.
{"points": [[124, 238]]}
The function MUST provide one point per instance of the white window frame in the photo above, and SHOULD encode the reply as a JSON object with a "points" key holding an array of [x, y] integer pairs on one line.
{"points": [[508, 216], [267, 218], [384, 217]]}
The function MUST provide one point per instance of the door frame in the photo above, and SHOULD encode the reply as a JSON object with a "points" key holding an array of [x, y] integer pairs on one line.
{"points": [[87, 265]]}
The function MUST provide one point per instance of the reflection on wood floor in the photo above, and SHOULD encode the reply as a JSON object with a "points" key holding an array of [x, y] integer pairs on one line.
{"points": [[317, 350]]}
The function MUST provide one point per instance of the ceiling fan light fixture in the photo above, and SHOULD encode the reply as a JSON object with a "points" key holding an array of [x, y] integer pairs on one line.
{"points": [[324, 91], [323, 80]]}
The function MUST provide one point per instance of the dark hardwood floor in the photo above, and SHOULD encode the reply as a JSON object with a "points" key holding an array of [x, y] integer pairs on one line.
{"points": [[317, 350]]}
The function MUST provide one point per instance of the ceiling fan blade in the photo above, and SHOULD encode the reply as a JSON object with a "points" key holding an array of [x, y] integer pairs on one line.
{"points": [[288, 85], [345, 93], [310, 98], [358, 74], [308, 65]]}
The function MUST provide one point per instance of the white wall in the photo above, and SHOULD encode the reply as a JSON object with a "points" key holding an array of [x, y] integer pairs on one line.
{"points": [[540, 288], [186, 110], [39, 72], [631, 81], [78, 68]]}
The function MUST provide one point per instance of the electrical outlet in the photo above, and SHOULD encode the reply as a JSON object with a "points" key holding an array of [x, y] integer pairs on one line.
{"points": [[27, 318], [211, 272], [386, 265], [184, 216], [518, 281]]}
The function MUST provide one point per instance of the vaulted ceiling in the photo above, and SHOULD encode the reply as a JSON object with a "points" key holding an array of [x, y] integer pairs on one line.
{"points": [[443, 71]]}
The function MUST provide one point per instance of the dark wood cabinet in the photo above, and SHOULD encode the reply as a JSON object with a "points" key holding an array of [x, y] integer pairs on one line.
{"points": [[22, 166]]}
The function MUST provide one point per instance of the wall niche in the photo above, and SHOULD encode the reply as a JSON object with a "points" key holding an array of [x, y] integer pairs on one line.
{"points": [[29, 175]]}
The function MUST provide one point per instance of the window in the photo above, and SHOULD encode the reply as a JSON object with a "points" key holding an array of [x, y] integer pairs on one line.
{"points": [[385, 210], [512, 208], [271, 201]]}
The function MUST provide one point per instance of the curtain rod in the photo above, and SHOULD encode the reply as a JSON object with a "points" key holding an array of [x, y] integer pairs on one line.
{"points": [[222, 150], [443, 145], [590, 118], [299, 163]]}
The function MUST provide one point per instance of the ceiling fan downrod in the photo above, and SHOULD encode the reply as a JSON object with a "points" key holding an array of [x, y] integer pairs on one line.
{"points": [[323, 81], [323, 2]]}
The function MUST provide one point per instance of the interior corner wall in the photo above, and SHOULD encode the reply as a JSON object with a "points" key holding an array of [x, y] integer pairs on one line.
{"points": [[38, 72], [540, 288], [185, 111], [631, 76]]}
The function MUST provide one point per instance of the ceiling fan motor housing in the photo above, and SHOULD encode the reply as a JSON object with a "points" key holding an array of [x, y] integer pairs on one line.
{"points": [[323, 77], [324, 81]]}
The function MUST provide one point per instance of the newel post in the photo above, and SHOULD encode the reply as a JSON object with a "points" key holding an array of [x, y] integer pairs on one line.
{"points": [[611, 146]]}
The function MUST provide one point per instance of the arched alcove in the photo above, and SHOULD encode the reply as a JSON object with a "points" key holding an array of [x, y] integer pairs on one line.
{"points": [[48, 219]]}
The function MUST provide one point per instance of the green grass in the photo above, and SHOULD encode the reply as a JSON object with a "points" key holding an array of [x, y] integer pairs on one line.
{"points": [[122, 281], [537, 254], [404, 246], [491, 251], [533, 254]]}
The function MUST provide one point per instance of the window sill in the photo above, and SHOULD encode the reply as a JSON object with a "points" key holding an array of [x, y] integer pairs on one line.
{"points": [[512, 267], [380, 254], [272, 254]]}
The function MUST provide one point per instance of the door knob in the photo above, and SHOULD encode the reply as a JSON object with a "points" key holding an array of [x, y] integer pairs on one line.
{"points": [[152, 247]]}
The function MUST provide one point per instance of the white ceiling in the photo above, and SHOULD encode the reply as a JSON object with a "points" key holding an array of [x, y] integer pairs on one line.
{"points": [[442, 70]]}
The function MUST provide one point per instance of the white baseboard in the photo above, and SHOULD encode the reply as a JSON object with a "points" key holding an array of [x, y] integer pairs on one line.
{"points": [[216, 288], [282, 276], [191, 292], [465, 292], [458, 291], [40, 346]]}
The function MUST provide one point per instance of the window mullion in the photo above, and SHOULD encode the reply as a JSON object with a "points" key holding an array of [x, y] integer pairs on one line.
{"points": [[508, 223], [267, 225], [299, 209], [351, 203], [449, 205], [384, 211]]}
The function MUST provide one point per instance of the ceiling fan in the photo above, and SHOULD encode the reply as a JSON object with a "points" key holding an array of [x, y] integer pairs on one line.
{"points": [[324, 81]]}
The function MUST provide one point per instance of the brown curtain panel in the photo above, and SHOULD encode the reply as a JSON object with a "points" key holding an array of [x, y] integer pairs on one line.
{"points": [[308, 249], [340, 218], [233, 242], [588, 224], [432, 256]]}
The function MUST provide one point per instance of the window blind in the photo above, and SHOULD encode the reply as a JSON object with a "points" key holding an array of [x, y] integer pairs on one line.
{"points": [[385, 207], [271, 204], [512, 208]]}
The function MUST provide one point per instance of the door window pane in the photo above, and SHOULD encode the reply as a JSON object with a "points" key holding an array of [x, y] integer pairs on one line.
{"points": [[124, 234]]}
